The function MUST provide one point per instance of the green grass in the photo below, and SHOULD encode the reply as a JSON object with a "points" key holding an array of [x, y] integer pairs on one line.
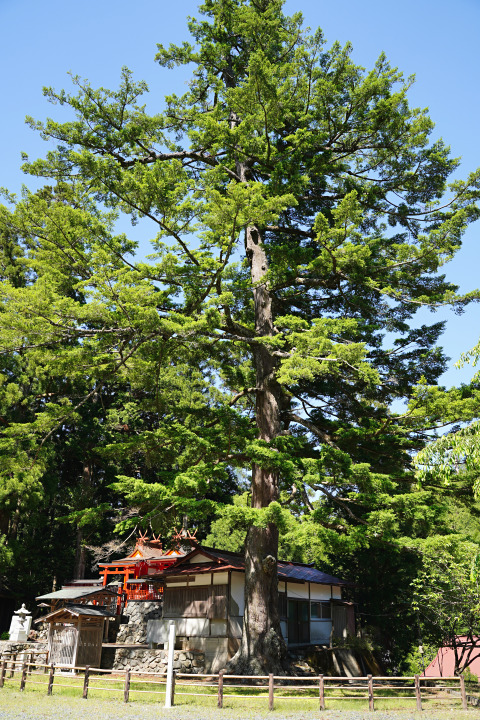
{"points": [[104, 687], [36, 705]]}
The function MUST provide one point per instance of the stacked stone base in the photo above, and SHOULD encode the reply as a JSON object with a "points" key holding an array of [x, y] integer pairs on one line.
{"points": [[152, 660], [22, 650]]}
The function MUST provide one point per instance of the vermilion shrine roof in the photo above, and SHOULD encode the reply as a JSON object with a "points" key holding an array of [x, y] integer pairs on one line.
{"points": [[145, 550]]}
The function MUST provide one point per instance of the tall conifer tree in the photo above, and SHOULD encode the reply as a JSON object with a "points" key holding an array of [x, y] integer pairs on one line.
{"points": [[301, 213]]}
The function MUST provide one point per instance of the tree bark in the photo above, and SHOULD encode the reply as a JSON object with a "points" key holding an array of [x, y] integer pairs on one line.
{"points": [[80, 556], [262, 647]]}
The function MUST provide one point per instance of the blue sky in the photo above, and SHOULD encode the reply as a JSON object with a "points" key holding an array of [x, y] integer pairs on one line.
{"points": [[436, 41]]}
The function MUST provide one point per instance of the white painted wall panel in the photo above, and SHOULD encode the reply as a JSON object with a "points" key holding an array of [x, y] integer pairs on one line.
{"points": [[297, 591], [337, 592], [320, 631], [237, 605], [320, 592], [220, 578], [199, 558], [202, 579], [157, 630], [218, 628]]}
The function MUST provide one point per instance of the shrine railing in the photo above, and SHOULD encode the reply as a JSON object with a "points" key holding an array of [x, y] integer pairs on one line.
{"points": [[144, 594]]}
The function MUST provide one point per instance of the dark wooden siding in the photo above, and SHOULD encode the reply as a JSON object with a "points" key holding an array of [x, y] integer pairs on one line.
{"points": [[207, 601]]}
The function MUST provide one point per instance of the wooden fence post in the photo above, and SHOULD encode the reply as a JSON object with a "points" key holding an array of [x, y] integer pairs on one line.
{"points": [[3, 673], [418, 694], [172, 691], [220, 689], [321, 692], [270, 691], [85, 681], [24, 677], [126, 688], [50, 679], [12, 668], [463, 693], [371, 705], [30, 663]]}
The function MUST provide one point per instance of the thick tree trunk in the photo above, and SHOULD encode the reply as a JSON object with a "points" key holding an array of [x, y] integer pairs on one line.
{"points": [[80, 550], [262, 647], [80, 556]]}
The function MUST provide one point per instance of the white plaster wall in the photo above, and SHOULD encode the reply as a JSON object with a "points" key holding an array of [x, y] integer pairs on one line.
{"points": [[203, 579], [297, 591], [157, 630], [320, 631], [320, 592], [218, 627], [282, 586], [237, 593], [337, 592], [220, 578], [199, 558]]}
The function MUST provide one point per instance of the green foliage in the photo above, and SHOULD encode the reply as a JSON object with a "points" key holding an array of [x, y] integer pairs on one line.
{"points": [[446, 594], [416, 661]]}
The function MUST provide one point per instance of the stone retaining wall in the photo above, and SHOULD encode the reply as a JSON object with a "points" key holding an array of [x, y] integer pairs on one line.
{"points": [[152, 660], [7, 647], [137, 614]]}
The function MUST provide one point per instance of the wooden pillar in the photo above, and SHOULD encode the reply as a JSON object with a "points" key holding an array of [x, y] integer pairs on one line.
{"points": [[50, 679], [321, 692], [126, 688], [77, 641], [12, 667], [85, 681], [270, 691], [3, 673], [24, 677], [371, 705], [463, 693], [172, 690], [417, 692], [220, 689]]}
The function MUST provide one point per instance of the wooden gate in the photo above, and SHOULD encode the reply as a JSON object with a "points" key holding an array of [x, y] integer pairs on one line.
{"points": [[90, 643], [63, 644]]}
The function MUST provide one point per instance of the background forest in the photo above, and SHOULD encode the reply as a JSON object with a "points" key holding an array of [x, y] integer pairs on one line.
{"points": [[301, 216]]}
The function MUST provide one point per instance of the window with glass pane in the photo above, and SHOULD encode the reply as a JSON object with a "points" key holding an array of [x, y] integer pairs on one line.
{"points": [[320, 610]]}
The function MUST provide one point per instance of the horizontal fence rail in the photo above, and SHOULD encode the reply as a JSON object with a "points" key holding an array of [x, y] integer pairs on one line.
{"points": [[322, 691]]}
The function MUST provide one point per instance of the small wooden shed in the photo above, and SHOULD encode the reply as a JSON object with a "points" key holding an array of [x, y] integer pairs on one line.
{"points": [[76, 634]]}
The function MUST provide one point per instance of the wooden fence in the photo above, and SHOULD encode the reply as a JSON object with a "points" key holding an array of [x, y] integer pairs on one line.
{"points": [[323, 691]]}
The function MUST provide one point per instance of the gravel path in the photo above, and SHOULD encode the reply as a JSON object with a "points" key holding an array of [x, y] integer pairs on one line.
{"points": [[18, 706]]}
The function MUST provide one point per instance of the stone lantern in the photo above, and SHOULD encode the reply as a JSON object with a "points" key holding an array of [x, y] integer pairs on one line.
{"points": [[20, 625]]}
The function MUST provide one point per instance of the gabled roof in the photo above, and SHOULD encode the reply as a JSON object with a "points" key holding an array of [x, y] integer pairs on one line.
{"points": [[143, 551], [223, 560], [75, 593], [77, 610], [307, 573]]}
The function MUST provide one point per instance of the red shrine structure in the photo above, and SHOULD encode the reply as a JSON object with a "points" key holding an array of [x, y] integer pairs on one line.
{"points": [[147, 558]]}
